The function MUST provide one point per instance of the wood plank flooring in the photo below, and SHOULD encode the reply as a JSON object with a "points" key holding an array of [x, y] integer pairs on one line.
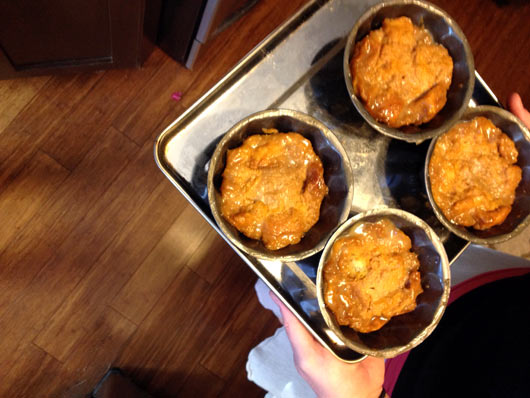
{"points": [[103, 263]]}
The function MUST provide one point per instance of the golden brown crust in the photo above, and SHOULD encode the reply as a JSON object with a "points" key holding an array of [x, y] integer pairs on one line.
{"points": [[401, 74], [371, 275], [473, 174], [273, 186]]}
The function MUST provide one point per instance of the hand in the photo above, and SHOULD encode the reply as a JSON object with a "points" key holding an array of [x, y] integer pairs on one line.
{"points": [[328, 376], [515, 105]]}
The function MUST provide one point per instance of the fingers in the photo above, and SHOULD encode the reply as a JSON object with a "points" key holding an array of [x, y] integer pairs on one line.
{"points": [[515, 105]]}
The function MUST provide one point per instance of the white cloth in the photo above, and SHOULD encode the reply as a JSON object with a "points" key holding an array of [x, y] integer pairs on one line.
{"points": [[270, 364]]}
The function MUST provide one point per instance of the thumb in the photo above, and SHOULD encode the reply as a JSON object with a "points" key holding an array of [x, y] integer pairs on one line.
{"points": [[300, 338]]}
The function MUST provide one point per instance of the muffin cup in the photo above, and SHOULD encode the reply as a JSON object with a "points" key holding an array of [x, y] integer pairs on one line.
{"points": [[519, 216], [402, 332], [337, 174], [446, 32]]}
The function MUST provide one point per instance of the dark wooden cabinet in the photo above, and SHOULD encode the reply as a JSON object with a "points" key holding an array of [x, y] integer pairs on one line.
{"points": [[186, 25], [178, 25], [40, 37], [50, 36]]}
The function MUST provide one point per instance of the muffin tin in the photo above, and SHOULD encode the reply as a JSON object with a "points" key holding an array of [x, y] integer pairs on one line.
{"points": [[300, 67], [336, 205], [519, 216], [445, 31], [406, 331]]}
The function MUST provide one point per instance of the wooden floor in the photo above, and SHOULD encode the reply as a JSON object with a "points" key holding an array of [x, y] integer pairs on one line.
{"points": [[103, 263]]}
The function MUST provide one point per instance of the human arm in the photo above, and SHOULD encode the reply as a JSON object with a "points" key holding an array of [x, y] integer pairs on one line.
{"points": [[328, 376]]}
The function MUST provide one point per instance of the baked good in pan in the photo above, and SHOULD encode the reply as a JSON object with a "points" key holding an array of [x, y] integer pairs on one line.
{"points": [[474, 175], [272, 189], [371, 275], [401, 74]]}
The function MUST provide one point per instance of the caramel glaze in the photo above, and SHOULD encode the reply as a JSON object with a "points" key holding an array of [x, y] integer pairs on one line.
{"points": [[371, 275], [401, 74], [272, 189], [473, 174]]}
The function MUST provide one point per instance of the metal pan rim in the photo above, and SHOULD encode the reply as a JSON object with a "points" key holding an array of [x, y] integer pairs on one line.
{"points": [[446, 275], [417, 137], [219, 153], [463, 232]]}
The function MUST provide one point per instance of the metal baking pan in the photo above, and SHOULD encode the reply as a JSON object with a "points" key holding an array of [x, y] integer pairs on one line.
{"points": [[299, 67]]}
